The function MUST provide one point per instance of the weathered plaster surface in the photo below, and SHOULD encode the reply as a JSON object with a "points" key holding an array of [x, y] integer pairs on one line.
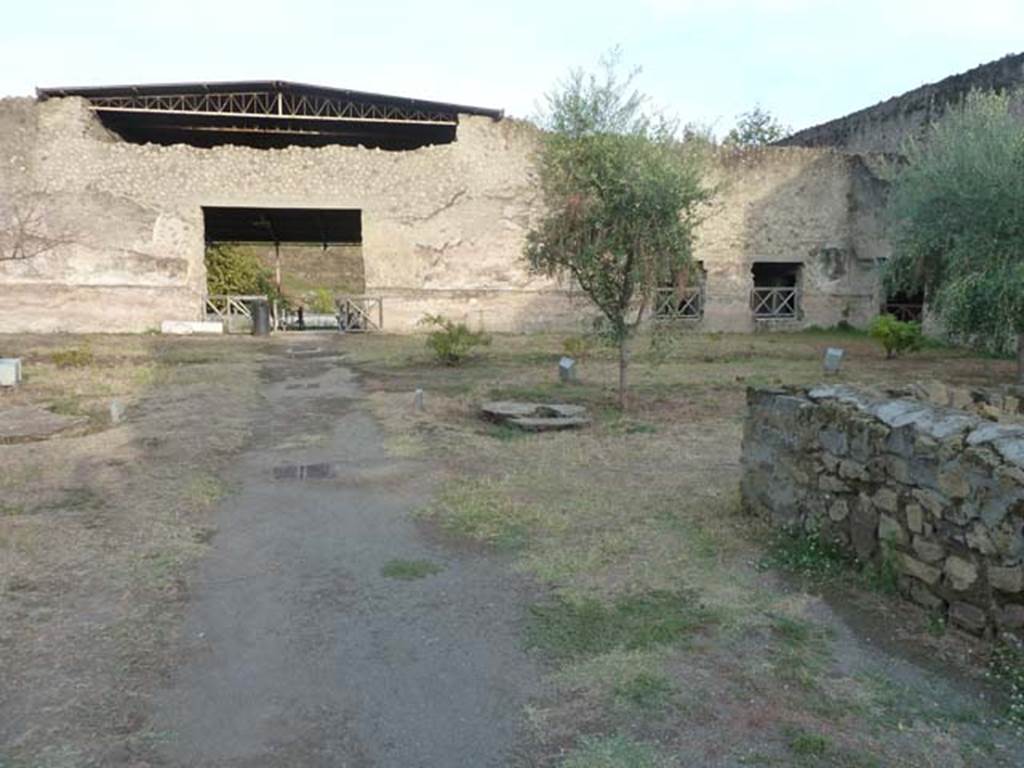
{"points": [[443, 226]]}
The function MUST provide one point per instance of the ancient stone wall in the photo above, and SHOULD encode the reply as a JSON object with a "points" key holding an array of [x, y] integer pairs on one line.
{"points": [[885, 126], [814, 207], [443, 227], [938, 492]]}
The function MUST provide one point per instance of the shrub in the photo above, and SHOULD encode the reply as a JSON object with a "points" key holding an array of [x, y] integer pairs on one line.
{"points": [[322, 301], [237, 270], [578, 347], [452, 342], [895, 336]]}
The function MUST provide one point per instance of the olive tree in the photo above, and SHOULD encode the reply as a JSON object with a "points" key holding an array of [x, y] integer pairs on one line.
{"points": [[755, 128], [956, 207], [620, 195]]}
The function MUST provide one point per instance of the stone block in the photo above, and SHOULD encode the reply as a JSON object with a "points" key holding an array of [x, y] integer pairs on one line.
{"points": [[960, 573], [953, 481], [968, 617], [923, 596], [839, 510], [852, 470], [987, 433], [915, 518], [890, 530], [977, 538], [1007, 579], [928, 550], [921, 571], [1009, 477], [1010, 617], [834, 441], [898, 469], [831, 484], [934, 503], [189, 327], [864, 528], [10, 371], [1011, 449], [886, 500]]}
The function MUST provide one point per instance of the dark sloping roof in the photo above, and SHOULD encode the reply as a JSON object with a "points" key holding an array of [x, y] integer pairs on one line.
{"points": [[269, 113]]}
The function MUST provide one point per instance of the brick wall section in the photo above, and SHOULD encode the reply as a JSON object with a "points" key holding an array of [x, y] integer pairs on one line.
{"points": [[944, 489]]}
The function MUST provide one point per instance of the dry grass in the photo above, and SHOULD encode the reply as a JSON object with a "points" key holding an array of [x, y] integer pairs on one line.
{"points": [[100, 531], [646, 504]]}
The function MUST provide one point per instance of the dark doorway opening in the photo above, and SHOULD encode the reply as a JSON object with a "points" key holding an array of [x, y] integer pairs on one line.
{"points": [[776, 292], [908, 307], [310, 257]]}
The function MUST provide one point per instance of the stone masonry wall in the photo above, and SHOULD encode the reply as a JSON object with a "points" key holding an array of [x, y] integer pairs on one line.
{"points": [[885, 126], [937, 490], [443, 226]]}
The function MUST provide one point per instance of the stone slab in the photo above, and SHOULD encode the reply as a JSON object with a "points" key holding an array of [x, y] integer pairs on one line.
{"points": [[190, 327], [10, 371], [26, 423], [536, 417]]}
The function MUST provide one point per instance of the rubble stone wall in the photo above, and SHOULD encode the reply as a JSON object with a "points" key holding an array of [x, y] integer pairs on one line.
{"points": [[938, 492]]}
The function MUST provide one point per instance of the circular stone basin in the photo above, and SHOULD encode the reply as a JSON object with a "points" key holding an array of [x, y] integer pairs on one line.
{"points": [[536, 417]]}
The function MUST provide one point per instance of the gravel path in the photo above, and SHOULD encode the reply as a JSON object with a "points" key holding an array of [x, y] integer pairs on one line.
{"points": [[300, 652]]}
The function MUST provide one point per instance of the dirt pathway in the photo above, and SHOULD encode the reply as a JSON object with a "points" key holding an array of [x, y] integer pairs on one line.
{"points": [[300, 651]]}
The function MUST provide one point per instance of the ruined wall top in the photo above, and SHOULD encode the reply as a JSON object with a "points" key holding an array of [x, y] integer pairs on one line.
{"points": [[885, 126]]}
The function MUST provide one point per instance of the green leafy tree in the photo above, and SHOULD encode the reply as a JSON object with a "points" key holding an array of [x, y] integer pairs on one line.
{"points": [[956, 207], [237, 270], [755, 128], [621, 196]]}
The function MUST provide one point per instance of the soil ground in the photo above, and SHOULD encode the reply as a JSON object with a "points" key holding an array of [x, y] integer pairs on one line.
{"points": [[275, 560]]}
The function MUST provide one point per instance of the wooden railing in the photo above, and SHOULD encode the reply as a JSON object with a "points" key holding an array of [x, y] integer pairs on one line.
{"points": [[775, 303], [360, 314], [226, 306], [908, 313], [675, 304]]}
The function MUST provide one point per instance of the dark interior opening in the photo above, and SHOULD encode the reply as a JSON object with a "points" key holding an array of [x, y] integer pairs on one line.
{"points": [[908, 307], [325, 226], [782, 274]]}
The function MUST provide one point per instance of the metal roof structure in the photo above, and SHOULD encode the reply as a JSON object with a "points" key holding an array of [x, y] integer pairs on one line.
{"points": [[269, 113]]}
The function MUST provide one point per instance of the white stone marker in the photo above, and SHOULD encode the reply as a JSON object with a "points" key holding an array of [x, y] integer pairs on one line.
{"points": [[567, 369], [10, 371], [188, 327], [833, 360]]}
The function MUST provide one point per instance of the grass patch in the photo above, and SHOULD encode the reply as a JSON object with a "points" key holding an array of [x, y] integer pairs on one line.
{"points": [[482, 510], [1007, 667], [646, 690], [615, 752], [203, 490], [409, 570], [808, 555], [806, 744], [74, 357], [578, 628]]}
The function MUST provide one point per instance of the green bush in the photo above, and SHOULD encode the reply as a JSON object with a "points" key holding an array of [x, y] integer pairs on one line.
{"points": [[895, 336], [239, 271], [322, 301], [578, 347], [452, 342]]}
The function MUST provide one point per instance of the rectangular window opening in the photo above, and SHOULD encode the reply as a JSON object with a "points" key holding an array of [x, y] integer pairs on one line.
{"points": [[776, 292], [681, 297]]}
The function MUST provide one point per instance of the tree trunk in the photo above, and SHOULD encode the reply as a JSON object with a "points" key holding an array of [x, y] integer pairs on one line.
{"points": [[1020, 357], [623, 364]]}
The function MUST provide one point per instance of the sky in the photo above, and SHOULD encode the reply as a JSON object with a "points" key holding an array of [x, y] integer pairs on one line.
{"points": [[702, 61]]}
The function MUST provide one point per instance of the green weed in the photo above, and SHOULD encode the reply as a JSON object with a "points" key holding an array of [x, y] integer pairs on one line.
{"points": [[75, 357], [646, 690], [615, 752], [409, 570], [575, 628], [806, 554]]}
